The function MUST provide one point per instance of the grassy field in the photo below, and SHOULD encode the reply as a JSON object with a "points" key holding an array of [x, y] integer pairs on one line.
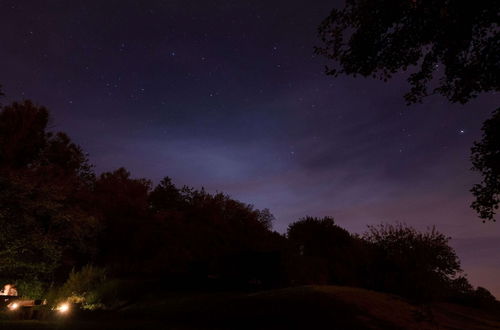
{"points": [[310, 307]]}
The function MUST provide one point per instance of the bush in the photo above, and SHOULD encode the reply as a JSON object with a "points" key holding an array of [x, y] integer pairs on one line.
{"points": [[91, 289], [82, 287], [33, 289]]}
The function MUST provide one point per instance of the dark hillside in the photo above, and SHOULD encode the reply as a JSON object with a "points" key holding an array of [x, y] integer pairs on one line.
{"points": [[307, 307]]}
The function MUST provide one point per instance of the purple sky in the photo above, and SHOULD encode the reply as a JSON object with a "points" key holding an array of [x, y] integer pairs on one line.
{"points": [[228, 95]]}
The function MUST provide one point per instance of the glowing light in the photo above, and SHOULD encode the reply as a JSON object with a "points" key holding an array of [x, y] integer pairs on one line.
{"points": [[63, 308], [13, 306]]}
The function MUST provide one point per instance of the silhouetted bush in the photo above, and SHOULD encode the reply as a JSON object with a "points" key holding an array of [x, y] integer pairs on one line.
{"points": [[413, 264], [81, 287]]}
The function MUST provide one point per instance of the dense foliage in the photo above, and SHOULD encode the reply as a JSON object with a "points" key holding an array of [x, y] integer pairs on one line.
{"points": [[380, 38], [107, 236], [486, 160], [45, 182], [326, 253], [416, 264]]}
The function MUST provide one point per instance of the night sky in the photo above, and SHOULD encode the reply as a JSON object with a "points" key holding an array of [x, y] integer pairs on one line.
{"points": [[229, 96]]}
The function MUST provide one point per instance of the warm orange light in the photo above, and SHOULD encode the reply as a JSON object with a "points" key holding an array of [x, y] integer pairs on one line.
{"points": [[13, 306], [63, 308]]}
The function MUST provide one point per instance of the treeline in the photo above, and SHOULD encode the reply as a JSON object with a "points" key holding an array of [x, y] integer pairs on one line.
{"points": [[58, 217]]}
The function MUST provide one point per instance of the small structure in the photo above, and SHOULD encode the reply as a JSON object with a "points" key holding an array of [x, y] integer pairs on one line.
{"points": [[22, 308], [8, 295]]}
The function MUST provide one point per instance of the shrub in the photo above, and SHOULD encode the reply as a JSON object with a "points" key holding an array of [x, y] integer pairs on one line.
{"points": [[32, 289], [81, 287]]}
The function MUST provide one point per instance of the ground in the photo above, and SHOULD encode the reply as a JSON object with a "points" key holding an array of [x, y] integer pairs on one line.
{"points": [[308, 307]]}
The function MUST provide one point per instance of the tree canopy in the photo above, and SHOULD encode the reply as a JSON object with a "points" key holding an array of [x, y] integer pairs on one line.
{"points": [[326, 252], [44, 182], [454, 44], [415, 264]]}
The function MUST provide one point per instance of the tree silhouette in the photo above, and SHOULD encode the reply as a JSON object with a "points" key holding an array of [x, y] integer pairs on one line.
{"points": [[318, 237], [453, 48], [123, 207], [486, 160], [453, 41], [324, 252], [45, 180], [411, 263]]}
